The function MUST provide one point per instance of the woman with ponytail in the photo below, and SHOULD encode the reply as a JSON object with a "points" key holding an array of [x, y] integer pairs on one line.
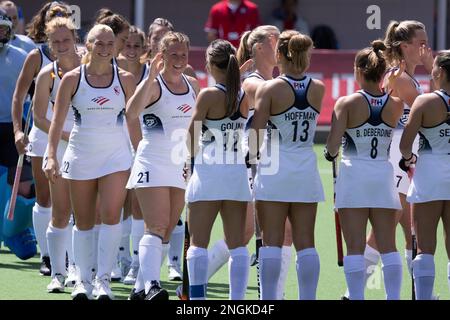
{"points": [[365, 188], [287, 183], [219, 178]]}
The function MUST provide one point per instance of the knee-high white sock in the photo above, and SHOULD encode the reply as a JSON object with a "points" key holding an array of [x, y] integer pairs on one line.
{"points": [[41, 219], [197, 261], [164, 251], [218, 255], [57, 240], [137, 231], [286, 253], [83, 251], [150, 249], [392, 273], [238, 268], [269, 271], [139, 285], [308, 270], [124, 246], [371, 259], [354, 269], [69, 246], [96, 231], [424, 273], [108, 244], [408, 258], [176, 245]]}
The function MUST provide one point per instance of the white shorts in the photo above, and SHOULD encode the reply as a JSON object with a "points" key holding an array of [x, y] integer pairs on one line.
{"points": [[38, 142], [366, 184], [95, 153], [401, 177], [431, 180], [297, 179], [218, 182]]}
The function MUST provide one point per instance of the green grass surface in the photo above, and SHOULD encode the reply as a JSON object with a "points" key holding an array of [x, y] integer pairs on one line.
{"points": [[21, 279]]}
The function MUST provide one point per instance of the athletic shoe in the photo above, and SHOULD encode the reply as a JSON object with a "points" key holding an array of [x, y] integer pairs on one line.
{"points": [[57, 284], [82, 291], [125, 265], [175, 273], [102, 291], [253, 260], [140, 295], [71, 276], [45, 269], [156, 292], [116, 273], [344, 298], [131, 276]]}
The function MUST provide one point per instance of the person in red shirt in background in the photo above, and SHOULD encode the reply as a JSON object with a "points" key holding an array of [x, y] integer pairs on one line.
{"points": [[229, 19]]}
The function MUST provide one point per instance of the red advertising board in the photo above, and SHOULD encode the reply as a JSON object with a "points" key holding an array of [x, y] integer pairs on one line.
{"points": [[333, 67]]}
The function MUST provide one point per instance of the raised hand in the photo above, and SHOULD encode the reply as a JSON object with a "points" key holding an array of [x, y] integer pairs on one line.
{"points": [[156, 65], [426, 57]]}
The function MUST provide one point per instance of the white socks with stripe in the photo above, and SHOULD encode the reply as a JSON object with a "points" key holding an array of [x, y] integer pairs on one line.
{"points": [[424, 273], [41, 220], [354, 269], [137, 231], [57, 240], [308, 270], [197, 262], [238, 268], [108, 243], [392, 273], [286, 253], [176, 245], [269, 271], [150, 250], [83, 252], [218, 255]]}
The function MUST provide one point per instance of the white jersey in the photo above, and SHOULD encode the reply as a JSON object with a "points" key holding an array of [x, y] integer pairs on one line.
{"points": [[219, 171], [372, 139], [284, 178], [98, 144], [159, 160], [38, 138]]}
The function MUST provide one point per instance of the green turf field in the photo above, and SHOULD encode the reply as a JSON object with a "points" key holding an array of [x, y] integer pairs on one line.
{"points": [[21, 279]]}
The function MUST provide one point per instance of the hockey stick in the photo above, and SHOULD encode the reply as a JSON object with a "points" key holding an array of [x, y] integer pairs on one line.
{"points": [[340, 251], [15, 188]]}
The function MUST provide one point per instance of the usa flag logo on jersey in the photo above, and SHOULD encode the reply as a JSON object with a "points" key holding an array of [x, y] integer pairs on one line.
{"points": [[100, 100], [184, 108]]}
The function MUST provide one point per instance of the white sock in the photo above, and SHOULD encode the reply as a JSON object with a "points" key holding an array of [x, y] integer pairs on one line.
{"points": [[286, 253], [269, 271], [354, 269], [139, 285], [408, 258], [83, 252], [137, 231], [41, 219], [392, 273], [176, 246], [238, 268], [124, 246], [218, 255], [69, 242], [150, 249], [308, 270], [197, 262], [96, 231], [424, 273], [371, 259], [164, 251], [108, 244], [57, 240]]}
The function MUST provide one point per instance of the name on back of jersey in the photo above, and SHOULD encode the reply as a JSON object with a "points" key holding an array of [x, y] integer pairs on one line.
{"points": [[373, 132], [300, 115]]}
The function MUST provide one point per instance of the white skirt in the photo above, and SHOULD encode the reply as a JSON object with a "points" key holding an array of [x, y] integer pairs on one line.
{"points": [[155, 169], [431, 180], [402, 181], [94, 153], [218, 182], [366, 184], [62, 146], [296, 180], [38, 142]]}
